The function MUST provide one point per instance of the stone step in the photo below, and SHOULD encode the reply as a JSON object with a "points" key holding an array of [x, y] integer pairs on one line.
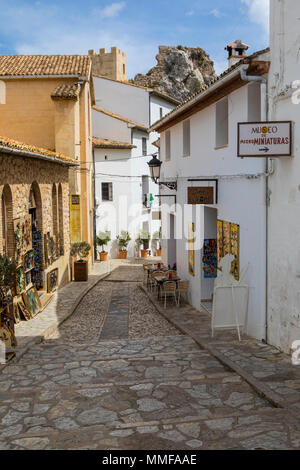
{"points": [[93, 371], [266, 429], [62, 352], [41, 414]]}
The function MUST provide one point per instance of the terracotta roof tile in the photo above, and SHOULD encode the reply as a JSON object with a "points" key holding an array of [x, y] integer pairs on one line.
{"points": [[39, 65], [66, 91], [121, 118], [111, 144], [7, 144]]}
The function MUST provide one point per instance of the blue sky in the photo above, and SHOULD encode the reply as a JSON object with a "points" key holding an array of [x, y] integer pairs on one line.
{"points": [[135, 26]]}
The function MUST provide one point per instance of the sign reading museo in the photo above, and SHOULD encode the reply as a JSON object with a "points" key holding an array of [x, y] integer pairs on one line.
{"points": [[265, 139]]}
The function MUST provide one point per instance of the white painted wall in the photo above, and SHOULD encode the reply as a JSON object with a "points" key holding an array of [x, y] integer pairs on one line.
{"points": [[284, 185], [107, 127], [241, 200], [126, 100], [125, 168]]}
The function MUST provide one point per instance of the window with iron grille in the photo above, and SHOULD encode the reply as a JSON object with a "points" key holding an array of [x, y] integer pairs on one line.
{"points": [[107, 191]]}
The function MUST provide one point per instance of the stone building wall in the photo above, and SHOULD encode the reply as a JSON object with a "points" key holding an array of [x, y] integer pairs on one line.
{"points": [[17, 174]]}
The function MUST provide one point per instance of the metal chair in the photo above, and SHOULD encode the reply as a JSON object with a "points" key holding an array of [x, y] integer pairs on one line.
{"points": [[182, 288], [168, 290]]}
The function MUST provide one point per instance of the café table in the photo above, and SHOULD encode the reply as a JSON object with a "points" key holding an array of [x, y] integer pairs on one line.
{"points": [[161, 279]]}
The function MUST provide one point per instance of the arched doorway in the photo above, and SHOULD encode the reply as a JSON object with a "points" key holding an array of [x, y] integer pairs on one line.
{"points": [[7, 222], [35, 210]]}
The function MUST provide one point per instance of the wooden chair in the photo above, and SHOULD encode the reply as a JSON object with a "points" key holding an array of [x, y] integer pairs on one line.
{"points": [[146, 276], [168, 290], [153, 276], [182, 288]]}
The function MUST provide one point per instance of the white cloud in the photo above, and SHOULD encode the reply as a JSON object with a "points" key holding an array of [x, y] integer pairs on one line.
{"points": [[190, 13], [215, 12], [258, 11], [110, 11]]}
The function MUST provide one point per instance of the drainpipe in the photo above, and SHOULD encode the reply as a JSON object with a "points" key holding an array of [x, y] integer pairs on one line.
{"points": [[269, 169], [94, 208]]}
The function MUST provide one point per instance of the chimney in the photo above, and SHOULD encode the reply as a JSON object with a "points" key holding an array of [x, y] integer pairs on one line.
{"points": [[236, 52]]}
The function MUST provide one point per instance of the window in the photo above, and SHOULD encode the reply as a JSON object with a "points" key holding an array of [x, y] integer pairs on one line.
{"points": [[160, 113], [107, 192], [144, 146], [222, 123], [254, 102], [186, 130], [168, 145]]}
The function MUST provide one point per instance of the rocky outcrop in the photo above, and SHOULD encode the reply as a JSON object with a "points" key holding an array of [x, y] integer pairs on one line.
{"points": [[180, 71]]}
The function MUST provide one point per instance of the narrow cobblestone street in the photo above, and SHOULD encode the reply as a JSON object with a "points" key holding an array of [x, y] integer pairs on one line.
{"points": [[118, 375]]}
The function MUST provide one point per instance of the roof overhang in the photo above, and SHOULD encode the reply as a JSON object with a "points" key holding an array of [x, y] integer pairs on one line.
{"points": [[224, 85], [26, 153]]}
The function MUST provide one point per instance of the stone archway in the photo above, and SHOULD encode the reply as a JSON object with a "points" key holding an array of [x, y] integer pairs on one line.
{"points": [[7, 233], [36, 211]]}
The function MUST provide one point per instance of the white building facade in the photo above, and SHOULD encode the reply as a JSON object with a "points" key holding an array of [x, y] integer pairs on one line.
{"points": [[284, 183], [125, 197], [223, 196]]}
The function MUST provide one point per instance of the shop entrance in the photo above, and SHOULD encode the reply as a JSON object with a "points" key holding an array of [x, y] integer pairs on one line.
{"points": [[209, 256], [34, 267]]}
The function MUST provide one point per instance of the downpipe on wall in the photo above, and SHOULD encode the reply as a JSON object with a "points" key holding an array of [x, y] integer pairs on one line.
{"points": [[269, 170]]}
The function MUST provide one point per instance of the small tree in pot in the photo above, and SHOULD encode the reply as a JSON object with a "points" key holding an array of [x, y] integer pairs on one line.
{"points": [[156, 237], [123, 239], [9, 276], [80, 250], [102, 240], [144, 238]]}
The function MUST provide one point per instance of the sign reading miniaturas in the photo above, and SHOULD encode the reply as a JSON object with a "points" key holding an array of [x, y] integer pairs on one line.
{"points": [[265, 139]]}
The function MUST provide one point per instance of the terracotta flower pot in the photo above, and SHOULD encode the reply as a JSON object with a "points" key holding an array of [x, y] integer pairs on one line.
{"points": [[103, 256], [81, 271], [144, 253], [123, 254], [158, 252]]}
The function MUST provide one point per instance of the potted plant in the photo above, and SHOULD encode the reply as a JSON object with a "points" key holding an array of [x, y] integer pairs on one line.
{"points": [[81, 250], [102, 240], [123, 240], [144, 238], [9, 275], [156, 238]]}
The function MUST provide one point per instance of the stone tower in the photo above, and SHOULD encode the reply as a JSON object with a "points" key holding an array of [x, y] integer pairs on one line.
{"points": [[109, 64]]}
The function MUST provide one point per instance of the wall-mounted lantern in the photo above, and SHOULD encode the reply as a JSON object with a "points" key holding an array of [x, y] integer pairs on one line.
{"points": [[154, 166]]}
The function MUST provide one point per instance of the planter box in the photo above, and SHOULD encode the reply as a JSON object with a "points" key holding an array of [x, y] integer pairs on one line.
{"points": [[123, 254], [144, 253], [81, 271], [103, 256]]}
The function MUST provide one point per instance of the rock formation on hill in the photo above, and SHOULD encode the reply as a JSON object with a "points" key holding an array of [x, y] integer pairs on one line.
{"points": [[180, 71]]}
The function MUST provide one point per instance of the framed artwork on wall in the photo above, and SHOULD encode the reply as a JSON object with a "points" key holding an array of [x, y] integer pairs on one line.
{"points": [[228, 242], [52, 280], [191, 252]]}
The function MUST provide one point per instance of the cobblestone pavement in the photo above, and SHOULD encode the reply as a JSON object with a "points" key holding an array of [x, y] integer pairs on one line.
{"points": [[265, 367], [159, 392]]}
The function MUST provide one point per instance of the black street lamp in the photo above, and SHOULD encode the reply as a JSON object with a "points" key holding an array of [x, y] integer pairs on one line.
{"points": [[154, 166]]}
